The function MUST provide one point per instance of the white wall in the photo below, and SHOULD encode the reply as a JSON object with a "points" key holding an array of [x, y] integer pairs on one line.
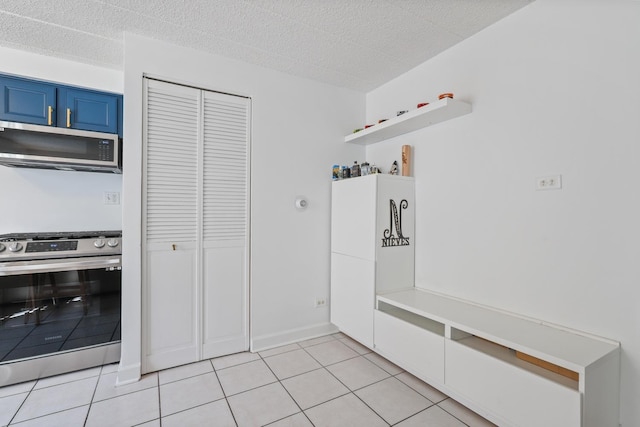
{"points": [[51, 200], [555, 90], [298, 128]]}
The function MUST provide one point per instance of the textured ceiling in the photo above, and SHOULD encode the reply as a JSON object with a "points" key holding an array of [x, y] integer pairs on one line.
{"points": [[359, 44]]}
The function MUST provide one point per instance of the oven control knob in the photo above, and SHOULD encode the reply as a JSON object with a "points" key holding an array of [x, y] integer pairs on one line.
{"points": [[112, 243], [99, 243], [15, 247], [2, 247]]}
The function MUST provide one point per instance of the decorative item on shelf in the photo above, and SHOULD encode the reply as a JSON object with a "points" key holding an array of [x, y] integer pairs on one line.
{"points": [[357, 130], [335, 175], [373, 169], [406, 160], [382, 121], [394, 168], [423, 104], [355, 169], [367, 126], [445, 95], [346, 172], [401, 112], [364, 168]]}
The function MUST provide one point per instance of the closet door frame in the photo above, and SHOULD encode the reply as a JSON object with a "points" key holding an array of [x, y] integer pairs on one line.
{"points": [[190, 252]]}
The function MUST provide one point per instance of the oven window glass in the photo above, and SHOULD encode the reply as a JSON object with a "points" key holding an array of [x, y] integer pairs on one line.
{"points": [[46, 313]]}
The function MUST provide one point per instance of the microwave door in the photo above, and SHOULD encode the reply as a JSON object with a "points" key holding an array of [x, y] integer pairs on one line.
{"points": [[24, 145]]}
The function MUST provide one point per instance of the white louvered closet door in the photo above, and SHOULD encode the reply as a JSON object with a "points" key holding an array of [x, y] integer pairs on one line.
{"points": [[225, 222], [195, 224]]}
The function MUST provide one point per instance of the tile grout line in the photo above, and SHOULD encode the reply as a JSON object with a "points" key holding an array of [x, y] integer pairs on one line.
{"points": [[287, 391], [372, 410], [127, 393], [224, 393], [412, 388], [93, 395], [330, 364], [189, 376], [451, 413], [23, 402], [159, 399], [264, 359], [322, 366], [419, 412], [376, 382], [45, 415], [353, 393], [277, 354], [347, 387], [394, 376], [55, 412]]}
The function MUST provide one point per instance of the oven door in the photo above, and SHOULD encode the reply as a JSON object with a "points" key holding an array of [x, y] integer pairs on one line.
{"points": [[58, 315]]}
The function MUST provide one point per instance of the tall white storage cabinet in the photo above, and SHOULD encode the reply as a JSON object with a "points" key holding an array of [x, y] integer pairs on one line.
{"points": [[372, 247], [195, 224]]}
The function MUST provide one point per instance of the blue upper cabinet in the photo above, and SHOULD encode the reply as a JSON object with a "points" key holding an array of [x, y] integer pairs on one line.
{"points": [[88, 110], [27, 101], [41, 103]]}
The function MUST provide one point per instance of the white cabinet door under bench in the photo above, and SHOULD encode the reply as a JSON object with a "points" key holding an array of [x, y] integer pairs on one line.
{"points": [[521, 397], [419, 349], [469, 351]]}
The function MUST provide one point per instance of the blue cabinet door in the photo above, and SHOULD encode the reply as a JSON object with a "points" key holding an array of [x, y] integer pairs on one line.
{"points": [[27, 101], [88, 110]]}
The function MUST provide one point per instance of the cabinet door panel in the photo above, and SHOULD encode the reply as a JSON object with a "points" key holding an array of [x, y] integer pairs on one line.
{"points": [[27, 102], [353, 217], [353, 297], [395, 237], [170, 307], [225, 294], [411, 347], [89, 110], [518, 397]]}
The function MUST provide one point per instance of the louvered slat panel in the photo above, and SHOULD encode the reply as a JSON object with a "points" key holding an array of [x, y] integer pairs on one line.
{"points": [[225, 177], [172, 153]]}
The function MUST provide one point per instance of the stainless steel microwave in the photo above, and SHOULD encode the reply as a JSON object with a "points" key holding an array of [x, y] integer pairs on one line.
{"points": [[44, 147]]}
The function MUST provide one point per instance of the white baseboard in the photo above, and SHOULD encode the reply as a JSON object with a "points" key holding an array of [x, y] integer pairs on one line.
{"points": [[128, 374], [265, 342], [131, 374]]}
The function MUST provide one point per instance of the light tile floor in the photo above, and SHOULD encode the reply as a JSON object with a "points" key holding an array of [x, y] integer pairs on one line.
{"points": [[327, 381]]}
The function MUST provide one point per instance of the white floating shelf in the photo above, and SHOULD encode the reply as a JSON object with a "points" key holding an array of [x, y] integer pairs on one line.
{"points": [[436, 112]]}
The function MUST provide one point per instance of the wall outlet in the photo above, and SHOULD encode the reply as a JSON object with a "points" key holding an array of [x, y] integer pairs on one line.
{"points": [[320, 302], [111, 198], [553, 182]]}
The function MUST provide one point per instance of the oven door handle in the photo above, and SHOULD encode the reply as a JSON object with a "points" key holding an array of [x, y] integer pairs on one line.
{"points": [[53, 265]]}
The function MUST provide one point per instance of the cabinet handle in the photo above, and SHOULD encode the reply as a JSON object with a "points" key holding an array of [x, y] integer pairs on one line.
{"points": [[68, 117], [50, 115], [173, 247]]}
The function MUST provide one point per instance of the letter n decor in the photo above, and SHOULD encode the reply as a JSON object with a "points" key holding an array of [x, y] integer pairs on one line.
{"points": [[395, 220]]}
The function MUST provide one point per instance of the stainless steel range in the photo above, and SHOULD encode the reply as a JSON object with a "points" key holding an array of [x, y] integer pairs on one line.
{"points": [[59, 302]]}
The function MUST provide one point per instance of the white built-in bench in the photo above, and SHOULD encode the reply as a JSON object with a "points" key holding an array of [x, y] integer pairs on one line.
{"points": [[483, 358]]}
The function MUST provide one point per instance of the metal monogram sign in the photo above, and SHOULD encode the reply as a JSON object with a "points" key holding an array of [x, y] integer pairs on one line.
{"points": [[395, 219]]}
